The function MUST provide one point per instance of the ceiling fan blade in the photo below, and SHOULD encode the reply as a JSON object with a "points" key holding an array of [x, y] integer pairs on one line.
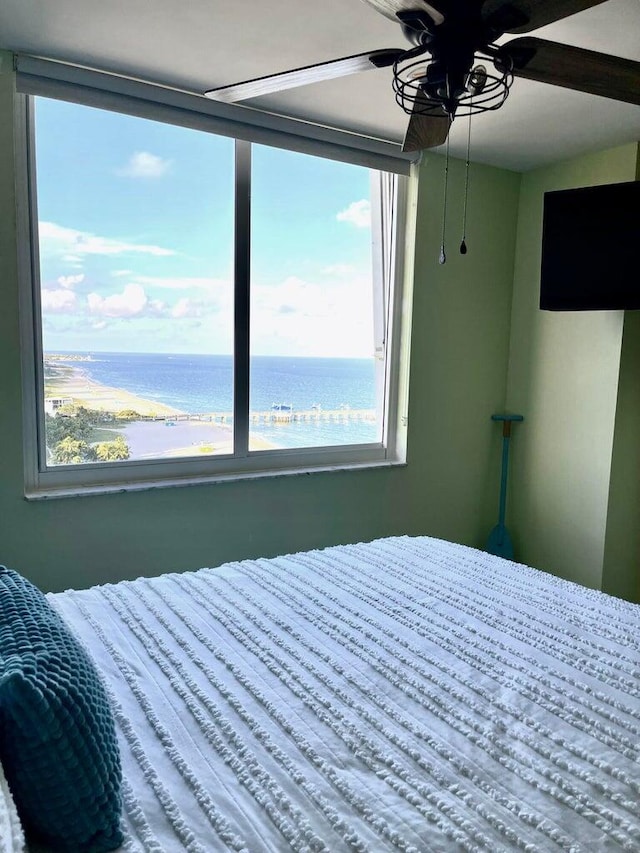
{"points": [[308, 74], [390, 8], [425, 130], [575, 68], [522, 16]]}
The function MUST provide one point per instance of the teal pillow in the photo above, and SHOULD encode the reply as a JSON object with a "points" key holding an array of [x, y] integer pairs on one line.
{"points": [[57, 738]]}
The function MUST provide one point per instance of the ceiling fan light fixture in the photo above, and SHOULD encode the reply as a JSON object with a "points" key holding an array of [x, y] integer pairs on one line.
{"points": [[423, 86]]}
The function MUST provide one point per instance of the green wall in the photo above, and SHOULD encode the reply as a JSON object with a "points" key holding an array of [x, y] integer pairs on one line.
{"points": [[564, 371], [448, 488], [460, 346]]}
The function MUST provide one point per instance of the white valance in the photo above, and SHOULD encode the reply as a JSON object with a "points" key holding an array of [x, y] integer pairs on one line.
{"points": [[48, 78]]}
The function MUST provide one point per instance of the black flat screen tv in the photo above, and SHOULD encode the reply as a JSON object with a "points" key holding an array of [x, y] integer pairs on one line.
{"points": [[591, 248]]}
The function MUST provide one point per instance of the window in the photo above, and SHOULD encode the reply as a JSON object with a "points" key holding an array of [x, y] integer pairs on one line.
{"points": [[204, 307], [312, 375]]}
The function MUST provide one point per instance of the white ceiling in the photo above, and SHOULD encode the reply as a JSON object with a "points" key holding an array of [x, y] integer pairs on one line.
{"points": [[200, 44]]}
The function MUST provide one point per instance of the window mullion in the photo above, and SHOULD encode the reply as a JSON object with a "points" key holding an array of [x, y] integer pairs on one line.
{"points": [[242, 278]]}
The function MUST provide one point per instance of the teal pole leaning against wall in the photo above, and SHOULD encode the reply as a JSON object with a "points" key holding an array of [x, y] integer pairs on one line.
{"points": [[499, 541]]}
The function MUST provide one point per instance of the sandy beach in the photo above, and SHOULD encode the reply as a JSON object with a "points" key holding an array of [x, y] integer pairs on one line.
{"points": [[166, 438], [68, 379]]}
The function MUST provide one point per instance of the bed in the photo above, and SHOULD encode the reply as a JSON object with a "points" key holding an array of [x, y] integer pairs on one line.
{"points": [[406, 694]]}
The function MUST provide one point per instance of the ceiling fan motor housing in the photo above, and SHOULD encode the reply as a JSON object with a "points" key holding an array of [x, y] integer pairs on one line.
{"points": [[452, 50]]}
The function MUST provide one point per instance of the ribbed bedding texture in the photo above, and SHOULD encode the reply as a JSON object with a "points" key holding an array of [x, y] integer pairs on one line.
{"points": [[406, 694]]}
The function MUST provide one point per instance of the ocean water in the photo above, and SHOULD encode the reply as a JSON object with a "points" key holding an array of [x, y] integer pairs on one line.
{"points": [[204, 383]]}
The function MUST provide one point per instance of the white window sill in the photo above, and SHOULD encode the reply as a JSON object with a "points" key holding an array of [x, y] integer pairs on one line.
{"points": [[77, 491]]}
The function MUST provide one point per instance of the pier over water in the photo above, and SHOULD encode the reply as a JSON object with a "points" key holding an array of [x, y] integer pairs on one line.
{"points": [[273, 416]]}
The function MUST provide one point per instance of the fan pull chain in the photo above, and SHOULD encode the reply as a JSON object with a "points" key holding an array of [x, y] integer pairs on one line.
{"points": [[443, 255], [463, 244]]}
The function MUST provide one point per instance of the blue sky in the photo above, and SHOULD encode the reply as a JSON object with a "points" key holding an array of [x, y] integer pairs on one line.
{"points": [[136, 241]]}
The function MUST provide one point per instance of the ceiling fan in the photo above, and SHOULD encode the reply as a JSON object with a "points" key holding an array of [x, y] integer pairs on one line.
{"points": [[455, 67]]}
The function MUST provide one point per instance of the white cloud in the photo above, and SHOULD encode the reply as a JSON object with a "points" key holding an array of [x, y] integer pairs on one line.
{"points": [[186, 307], [341, 270], [182, 308], [185, 283], [70, 280], [71, 260], [130, 303], [358, 213], [142, 164], [58, 301], [309, 318], [74, 244], [209, 295], [157, 308]]}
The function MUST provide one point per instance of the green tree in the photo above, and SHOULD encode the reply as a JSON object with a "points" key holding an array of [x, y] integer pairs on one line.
{"points": [[112, 451], [69, 421], [72, 431], [72, 450]]}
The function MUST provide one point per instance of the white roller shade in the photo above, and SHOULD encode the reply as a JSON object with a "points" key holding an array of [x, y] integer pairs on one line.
{"points": [[61, 80]]}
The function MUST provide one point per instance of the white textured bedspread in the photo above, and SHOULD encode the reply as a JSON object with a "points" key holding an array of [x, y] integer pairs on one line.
{"points": [[406, 694]]}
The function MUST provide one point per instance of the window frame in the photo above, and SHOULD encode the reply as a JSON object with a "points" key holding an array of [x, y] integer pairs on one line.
{"points": [[86, 478]]}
